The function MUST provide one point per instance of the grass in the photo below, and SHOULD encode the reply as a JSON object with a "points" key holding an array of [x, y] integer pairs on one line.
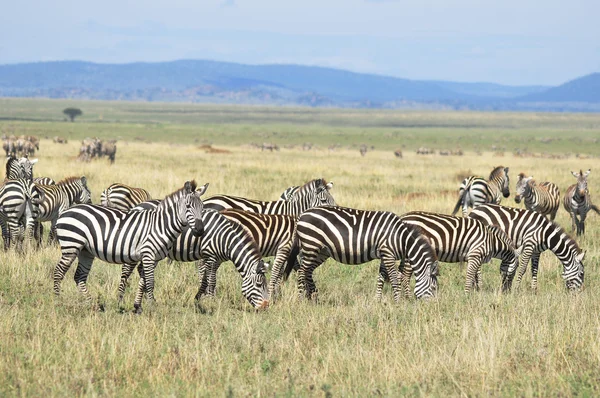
{"points": [[487, 343]]}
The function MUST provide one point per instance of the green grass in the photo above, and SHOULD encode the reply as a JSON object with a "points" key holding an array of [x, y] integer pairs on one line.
{"points": [[347, 343]]}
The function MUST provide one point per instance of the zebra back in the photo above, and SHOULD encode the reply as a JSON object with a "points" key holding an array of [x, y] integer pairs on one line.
{"points": [[123, 197], [60, 197]]}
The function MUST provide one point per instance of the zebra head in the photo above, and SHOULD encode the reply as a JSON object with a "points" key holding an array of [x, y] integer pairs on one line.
{"points": [[315, 193], [254, 285], [85, 195], [582, 187], [575, 273], [190, 207], [27, 167], [522, 187]]}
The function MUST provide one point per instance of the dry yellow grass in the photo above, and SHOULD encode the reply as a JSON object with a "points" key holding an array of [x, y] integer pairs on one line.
{"points": [[487, 343]]}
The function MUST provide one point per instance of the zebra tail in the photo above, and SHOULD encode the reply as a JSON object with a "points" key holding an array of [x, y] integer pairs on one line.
{"points": [[595, 208], [292, 258], [461, 197]]}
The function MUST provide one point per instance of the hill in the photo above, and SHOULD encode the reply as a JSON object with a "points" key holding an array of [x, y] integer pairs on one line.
{"points": [[583, 89]]}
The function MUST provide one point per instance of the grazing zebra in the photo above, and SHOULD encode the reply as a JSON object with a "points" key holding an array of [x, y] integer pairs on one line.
{"points": [[123, 197], [222, 240], [60, 197], [352, 236], [577, 201], [534, 233], [272, 233], [288, 193], [313, 193], [543, 198], [458, 239], [19, 200], [475, 191], [114, 236]]}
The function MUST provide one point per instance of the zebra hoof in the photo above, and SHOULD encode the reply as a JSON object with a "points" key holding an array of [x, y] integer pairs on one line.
{"points": [[137, 309]]}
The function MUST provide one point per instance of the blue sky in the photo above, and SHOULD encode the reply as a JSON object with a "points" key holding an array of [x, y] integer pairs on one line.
{"points": [[511, 42]]}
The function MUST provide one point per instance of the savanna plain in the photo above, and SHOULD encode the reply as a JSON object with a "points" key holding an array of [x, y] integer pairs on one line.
{"points": [[347, 343]]}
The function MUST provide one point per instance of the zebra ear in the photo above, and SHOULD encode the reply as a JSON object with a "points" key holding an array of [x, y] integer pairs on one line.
{"points": [[329, 185], [202, 190], [506, 170], [576, 175], [188, 187], [580, 256], [33, 161], [84, 181], [587, 173], [260, 267]]}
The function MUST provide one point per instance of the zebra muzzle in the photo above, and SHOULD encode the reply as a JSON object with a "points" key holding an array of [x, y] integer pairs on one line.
{"points": [[517, 199], [264, 305]]}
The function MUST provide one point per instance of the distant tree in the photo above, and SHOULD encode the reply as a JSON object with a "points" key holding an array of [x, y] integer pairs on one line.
{"points": [[72, 113]]}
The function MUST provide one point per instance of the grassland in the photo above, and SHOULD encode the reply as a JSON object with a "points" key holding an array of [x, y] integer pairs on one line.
{"points": [[524, 344]]}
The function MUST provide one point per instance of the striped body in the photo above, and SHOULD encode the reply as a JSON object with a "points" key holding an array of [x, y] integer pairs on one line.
{"points": [[288, 193], [543, 198], [60, 197], [19, 168], [272, 233], [44, 181], [534, 233], [114, 236], [577, 202], [123, 197], [312, 194], [19, 200], [459, 239], [475, 191], [353, 236]]}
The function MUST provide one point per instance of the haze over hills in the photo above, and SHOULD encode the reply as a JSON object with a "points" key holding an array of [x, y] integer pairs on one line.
{"points": [[224, 82]]}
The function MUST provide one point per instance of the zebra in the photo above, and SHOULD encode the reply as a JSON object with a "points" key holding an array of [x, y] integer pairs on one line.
{"points": [[20, 201], [223, 239], [289, 192], [475, 191], [145, 237], [458, 239], [577, 201], [272, 233], [543, 198], [534, 233], [44, 181], [352, 236], [313, 193], [60, 197], [123, 197], [19, 168]]}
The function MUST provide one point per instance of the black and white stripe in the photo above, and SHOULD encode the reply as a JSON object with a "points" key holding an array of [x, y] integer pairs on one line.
{"points": [[19, 200], [123, 197], [60, 197], [533, 233], [19, 168], [475, 191], [577, 202], [145, 237], [459, 239], [352, 236], [312, 194], [543, 198], [44, 181], [288, 193]]}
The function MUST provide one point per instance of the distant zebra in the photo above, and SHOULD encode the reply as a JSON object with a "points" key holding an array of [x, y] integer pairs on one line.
{"points": [[60, 197], [363, 150], [123, 197], [19, 200], [313, 193], [352, 236], [543, 198], [114, 236], [577, 202], [458, 239], [475, 191], [289, 192], [222, 240], [534, 233]]}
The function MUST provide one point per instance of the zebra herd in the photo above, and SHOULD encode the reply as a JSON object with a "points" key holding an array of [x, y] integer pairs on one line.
{"points": [[301, 230]]}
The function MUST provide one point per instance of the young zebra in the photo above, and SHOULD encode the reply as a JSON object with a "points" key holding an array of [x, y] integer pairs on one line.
{"points": [[458, 239], [20, 200], [313, 193], [352, 236], [577, 201], [60, 197], [89, 231], [475, 191], [123, 197], [543, 198], [534, 233], [222, 240]]}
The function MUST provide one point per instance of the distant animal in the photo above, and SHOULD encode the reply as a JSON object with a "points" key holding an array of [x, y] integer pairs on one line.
{"points": [[363, 150], [543, 197], [398, 153], [577, 202], [109, 149], [475, 191]]}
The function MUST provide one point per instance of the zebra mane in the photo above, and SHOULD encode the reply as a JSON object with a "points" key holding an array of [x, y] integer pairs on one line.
{"points": [[9, 163], [313, 184], [193, 186], [497, 170], [68, 180], [522, 175], [570, 240]]}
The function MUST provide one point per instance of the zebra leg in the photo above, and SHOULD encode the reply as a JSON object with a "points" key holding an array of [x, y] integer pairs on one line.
{"points": [[535, 261], [149, 265], [83, 270], [204, 268], [212, 278], [306, 284], [52, 234], [383, 276], [582, 223], [126, 271], [573, 221], [281, 257], [139, 294], [473, 267], [405, 275], [62, 267], [389, 262], [524, 261]]}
